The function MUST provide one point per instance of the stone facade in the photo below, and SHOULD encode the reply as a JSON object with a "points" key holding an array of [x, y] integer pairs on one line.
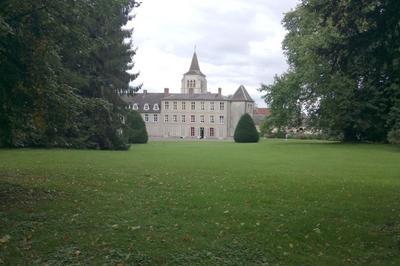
{"points": [[193, 113]]}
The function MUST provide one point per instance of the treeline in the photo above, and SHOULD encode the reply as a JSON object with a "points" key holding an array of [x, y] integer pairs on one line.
{"points": [[61, 65], [344, 70]]}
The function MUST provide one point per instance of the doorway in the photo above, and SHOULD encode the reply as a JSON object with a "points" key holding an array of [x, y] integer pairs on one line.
{"points": [[202, 132]]}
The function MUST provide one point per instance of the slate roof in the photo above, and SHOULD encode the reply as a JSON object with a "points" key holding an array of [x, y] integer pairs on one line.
{"points": [[241, 94], [194, 67], [142, 98], [197, 96]]}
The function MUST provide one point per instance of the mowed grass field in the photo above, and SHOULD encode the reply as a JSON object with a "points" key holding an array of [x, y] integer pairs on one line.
{"points": [[209, 203]]}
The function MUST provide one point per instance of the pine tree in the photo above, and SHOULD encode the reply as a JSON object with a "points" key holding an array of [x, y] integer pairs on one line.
{"points": [[246, 130]]}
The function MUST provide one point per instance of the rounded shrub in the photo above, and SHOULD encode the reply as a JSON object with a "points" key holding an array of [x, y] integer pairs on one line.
{"points": [[135, 128], [246, 130], [394, 136]]}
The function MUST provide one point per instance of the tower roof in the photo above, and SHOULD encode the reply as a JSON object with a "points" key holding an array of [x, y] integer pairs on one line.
{"points": [[241, 94], [194, 67]]}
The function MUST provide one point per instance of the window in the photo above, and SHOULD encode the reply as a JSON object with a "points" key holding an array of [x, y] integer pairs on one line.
{"points": [[166, 118], [212, 106], [193, 105], [221, 106], [183, 119], [194, 83], [166, 105], [175, 118], [175, 105], [146, 117], [135, 106], [221, 119], [146, 106], [192, 118], [155, 117], [192, 132], [187, 83], [249, 106], [183, 105], [202, 105], [212, 134], [212, 119], [156, 107], [202, 119]]}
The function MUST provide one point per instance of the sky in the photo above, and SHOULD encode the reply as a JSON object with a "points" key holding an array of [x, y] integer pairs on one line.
{"points": [[238, 42]]}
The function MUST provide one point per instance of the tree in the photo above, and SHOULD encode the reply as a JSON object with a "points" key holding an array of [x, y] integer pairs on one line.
{"points": [[343, 69], [135, 130], [246, 130], [60, 61]]}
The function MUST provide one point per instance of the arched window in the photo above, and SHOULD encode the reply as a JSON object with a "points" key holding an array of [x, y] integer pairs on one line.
{"points": [[194, 83], [146, 106], [155, 107], [135, 106]]}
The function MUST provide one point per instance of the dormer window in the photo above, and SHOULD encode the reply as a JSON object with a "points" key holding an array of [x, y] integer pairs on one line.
{"points": [[135, 106], [155, 107], [146, 107]]}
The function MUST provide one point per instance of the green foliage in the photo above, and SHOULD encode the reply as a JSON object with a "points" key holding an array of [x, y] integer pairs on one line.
{"points": [[246, 130], [135, 130], [59, 60], [344, 69], [277, 203], [394, 136]]}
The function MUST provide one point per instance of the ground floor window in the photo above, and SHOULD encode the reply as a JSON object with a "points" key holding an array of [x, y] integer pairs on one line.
{"points": [[146, 117], [175, 118], [155, 118], [192, 131], [212, 133]]}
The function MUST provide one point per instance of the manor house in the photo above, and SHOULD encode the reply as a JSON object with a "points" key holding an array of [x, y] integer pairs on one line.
{"points": [[194, 112]]}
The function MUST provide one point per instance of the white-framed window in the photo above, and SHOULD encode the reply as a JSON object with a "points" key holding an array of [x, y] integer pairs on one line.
{"points": [[175, 105], [187, 83], [202, 119], [155, 117], [193, 105], [202, 105], [183, 105], [194, 83], [249, 106], [183, 119], [146, 117], [212, 132], [175, 118], [221, 119], [166, 118], [135, 106], [212, 106], [212, 120], [192, 118], [221, 106], [146, 107], [192, 132], [166, 105], [156, 107]]}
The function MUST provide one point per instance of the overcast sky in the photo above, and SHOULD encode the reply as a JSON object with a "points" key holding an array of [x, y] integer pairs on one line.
{"points": [[238, 42]]}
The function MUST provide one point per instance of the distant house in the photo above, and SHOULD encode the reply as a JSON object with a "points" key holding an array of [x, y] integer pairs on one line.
{"points": [[259, 115], [193, 113]]}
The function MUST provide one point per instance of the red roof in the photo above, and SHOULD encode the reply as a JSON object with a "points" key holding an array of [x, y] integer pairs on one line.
{"points": [[262, 111]]}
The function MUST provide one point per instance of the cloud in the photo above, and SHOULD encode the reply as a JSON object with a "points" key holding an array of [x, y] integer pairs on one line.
{"points": [[238, 42]]}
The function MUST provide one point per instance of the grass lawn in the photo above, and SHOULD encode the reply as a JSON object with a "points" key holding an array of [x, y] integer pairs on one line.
{"points": [[274, 202]]}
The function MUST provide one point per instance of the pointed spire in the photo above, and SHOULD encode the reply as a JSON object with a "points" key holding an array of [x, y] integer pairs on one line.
{"points": [[194, 66]]}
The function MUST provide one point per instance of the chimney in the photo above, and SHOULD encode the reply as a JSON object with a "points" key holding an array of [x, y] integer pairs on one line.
{"points": [[166, 91], [219, 91], [144, 92], [191, 91]]}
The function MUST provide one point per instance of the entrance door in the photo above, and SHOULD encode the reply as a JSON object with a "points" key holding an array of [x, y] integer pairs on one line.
{"points": [[202, 132]]}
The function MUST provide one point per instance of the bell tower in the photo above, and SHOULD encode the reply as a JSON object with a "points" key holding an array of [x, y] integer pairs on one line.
{"points": [[194, 81]]}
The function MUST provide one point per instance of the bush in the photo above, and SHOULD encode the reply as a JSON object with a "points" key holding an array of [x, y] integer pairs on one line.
{"points": [[246, 130], [135, 128], [394, 136]]}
